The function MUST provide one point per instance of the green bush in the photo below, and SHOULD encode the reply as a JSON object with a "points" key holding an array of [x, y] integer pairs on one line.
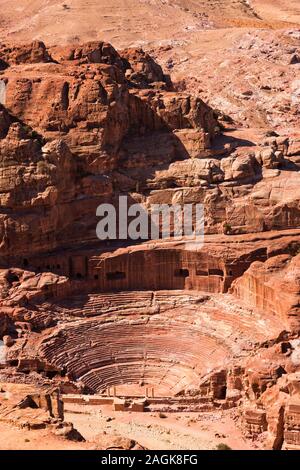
{"points": [[227, 228], [223, 446]]}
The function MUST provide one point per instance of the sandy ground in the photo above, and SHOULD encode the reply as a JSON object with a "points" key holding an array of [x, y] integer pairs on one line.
{"points": [[154, 431], [13, 438], [278, 10], [176, 431]]}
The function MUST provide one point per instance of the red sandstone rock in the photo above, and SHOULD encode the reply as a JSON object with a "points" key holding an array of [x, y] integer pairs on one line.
{"points": [[273, 286], [35, 52], [142, 70], [80, 125]]}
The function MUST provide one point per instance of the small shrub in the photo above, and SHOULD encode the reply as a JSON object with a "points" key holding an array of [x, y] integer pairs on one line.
{"points": [[295, 250], [162, 415], [32, 134], [227, 228], [223, 446], [43, 168]]}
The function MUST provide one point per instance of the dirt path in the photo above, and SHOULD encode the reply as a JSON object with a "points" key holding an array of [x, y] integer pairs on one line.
{"points": [[174, 432]]}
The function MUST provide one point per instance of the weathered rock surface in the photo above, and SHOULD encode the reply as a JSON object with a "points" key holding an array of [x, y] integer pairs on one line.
{"points": [[86, 103], [124, 135], [83, 124], [273, 286]]}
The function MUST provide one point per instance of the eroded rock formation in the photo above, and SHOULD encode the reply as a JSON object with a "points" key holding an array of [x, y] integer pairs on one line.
{"points": [[81, 125]]}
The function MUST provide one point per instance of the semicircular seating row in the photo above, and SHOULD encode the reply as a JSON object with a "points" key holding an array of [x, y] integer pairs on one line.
{"points": [[97, 303], [170, 354]]}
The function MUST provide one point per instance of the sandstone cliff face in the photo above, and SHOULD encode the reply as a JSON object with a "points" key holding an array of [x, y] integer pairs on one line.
{"points": [[273, 286], [82, 100], [119, 127], [80, 125], [36, 184], [86, 92]]}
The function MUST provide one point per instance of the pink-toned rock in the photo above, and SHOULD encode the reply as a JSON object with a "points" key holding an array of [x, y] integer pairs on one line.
{"points": [[273, 286]]}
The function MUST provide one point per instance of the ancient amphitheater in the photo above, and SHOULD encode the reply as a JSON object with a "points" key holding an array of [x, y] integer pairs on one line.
{"points": [[149, 325]]}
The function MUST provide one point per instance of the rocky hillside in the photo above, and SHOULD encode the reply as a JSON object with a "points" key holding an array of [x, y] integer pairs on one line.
{"points": [[195, 102]]}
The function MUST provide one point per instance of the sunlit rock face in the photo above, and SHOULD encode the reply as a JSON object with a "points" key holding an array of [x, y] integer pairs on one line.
{"points": [[81, 125]]}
